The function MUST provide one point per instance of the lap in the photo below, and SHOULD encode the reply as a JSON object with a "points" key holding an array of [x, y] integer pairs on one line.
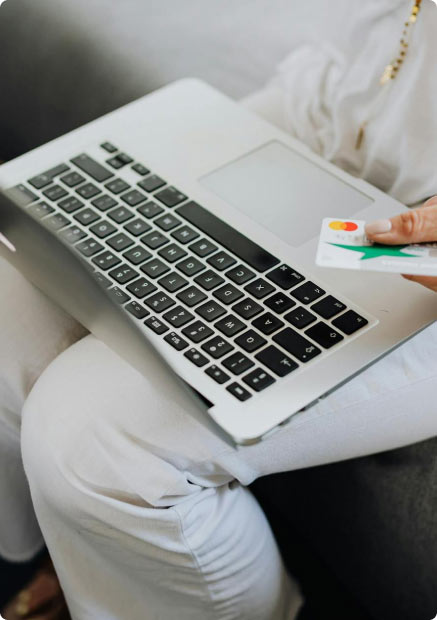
{"points": [[124, 419]]}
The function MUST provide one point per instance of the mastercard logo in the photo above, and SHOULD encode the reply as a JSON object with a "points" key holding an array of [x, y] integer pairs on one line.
{"points": [[348, 226]]}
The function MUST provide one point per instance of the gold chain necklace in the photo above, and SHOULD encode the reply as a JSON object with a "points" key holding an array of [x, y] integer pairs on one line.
{"points": [[392, 70]]}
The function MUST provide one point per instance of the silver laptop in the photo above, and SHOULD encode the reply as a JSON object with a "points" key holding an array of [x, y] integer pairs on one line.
{"points": [[185, 223]]}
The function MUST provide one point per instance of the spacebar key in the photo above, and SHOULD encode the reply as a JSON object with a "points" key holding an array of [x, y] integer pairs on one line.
{"points": [[91, 167], [228, 237]]}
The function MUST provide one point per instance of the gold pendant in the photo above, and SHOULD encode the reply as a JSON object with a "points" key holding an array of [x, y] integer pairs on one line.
{"points": [[360, 137]]}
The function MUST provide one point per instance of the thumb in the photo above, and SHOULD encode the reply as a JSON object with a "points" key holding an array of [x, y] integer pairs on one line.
{"points": [[414, 226]]}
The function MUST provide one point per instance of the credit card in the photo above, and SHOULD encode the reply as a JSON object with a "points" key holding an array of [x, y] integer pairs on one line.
{"points": [[343, 244]]}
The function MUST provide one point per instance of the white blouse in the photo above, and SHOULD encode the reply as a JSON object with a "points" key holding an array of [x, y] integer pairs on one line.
{"points": [[330, 84]]}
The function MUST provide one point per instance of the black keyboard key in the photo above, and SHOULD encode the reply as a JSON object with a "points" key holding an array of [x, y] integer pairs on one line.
{"points": [[72, 179], [197, 331], [87, 216], [88, 190], [237, 363], [133, 198], [196, 358], [172, 253], [190, 266], [154, 239], [221, 261], [72, 234], [116, 186], [126, 159], [300, 317], [191, 296], [308, 292], [140, 288], [114, 162], [228, 294], [285, 277], [56, 221], [103, 229], [89, 247], [247, 308], [239, 391], [106, 260], [151, 183], [140, 169], [118, 295], [210, 311], [208, 280], [203, 248], [123, 274], [92, 168], [259, 288], [110, 148], [156, 325], [137, 227], [276, 361], [137, 310], [55, 192], [217, 347], [279, 302], [167, 222], [248, 251], [70, 204], [137, 255], [267, 323], [178, 316], [21, 195], [41, 209], [258, 380], [173, 282], [159, 302], [170, 196], [120, 214], [240, 274], [296, 344], [150, 209], [230, 325], [217, 374], [47, 177], [154, 268], [250, 341], [328, 307], [184, 234], [101, 280], [324, 335], [103, 203], [176, 341], [350, 322]]}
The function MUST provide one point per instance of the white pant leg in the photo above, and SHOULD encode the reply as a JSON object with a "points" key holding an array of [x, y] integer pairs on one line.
{"points": [[32, 333], [140, 523]]}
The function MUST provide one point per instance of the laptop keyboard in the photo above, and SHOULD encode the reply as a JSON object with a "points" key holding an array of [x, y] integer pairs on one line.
{"points": [[226, 304]]}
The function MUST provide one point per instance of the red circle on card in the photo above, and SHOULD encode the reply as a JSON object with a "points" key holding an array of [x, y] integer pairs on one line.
{"points": [[350, 226]]}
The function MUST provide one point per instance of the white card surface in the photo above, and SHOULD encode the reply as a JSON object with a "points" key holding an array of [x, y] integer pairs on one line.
{"points": [[343, 244]]}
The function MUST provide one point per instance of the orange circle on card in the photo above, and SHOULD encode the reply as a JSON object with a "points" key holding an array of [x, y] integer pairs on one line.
{"points": [[347, 226]]}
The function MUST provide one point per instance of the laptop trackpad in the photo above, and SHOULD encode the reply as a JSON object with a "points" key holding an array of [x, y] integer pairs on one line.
{"points": [[285, 192]]}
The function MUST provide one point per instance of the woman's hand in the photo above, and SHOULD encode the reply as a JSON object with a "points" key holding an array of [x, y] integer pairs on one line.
{"points": [[414, 226]]}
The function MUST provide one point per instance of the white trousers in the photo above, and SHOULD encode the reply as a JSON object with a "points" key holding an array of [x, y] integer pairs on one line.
{"points": [[145, 511]]}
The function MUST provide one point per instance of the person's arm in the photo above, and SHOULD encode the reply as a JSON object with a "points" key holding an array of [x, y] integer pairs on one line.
{"points": [[415, 226]]}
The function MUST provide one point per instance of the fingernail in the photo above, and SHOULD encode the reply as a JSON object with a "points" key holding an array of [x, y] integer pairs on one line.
{"points": [[378, 227]]}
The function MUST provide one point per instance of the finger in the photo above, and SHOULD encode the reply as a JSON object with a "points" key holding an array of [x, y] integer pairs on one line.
{"points": [[415, 226], [427, 281]]}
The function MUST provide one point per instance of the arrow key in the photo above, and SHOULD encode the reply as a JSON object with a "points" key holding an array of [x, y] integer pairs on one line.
{"points": [[324, 335]]}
